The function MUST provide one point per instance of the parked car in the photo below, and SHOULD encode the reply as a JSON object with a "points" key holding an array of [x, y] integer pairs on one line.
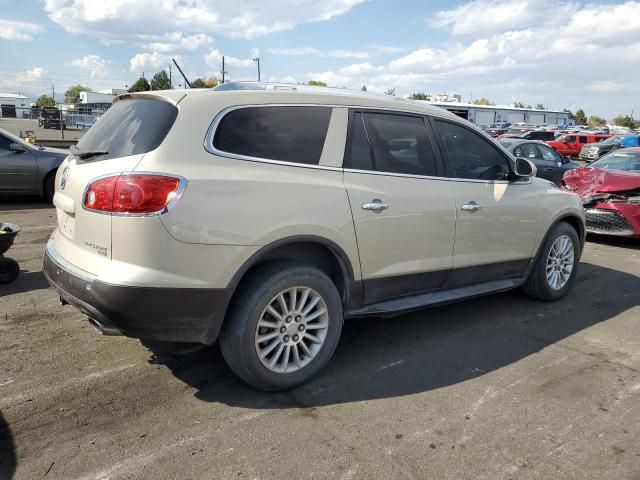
{"points": [[495, 132], [610, 191], [50, 117], [543, 135], [592, 152], [571, 144], [549, 163], [267, 216], [27, 169]]}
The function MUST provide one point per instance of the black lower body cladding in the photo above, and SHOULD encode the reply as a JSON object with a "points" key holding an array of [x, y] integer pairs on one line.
{"points": [[169, 314]]}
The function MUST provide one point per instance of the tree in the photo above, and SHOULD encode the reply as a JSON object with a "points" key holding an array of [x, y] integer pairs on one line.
{"points": [[316, 83], [595, 121], [45, 101], [72, 95], [364, 88], [205, 83], [141, 85], [529, 107], [419, 96], [540, 106], [625, 121], [482, 101], [581, 117], [518, 105], [160, 81], [571, 115], [390, 91]]}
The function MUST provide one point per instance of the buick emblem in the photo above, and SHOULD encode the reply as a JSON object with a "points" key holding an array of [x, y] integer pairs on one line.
{"points": [[63, 178]]}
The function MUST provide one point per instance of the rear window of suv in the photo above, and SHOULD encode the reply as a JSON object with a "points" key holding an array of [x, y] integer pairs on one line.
{"points": [[130, 127], [287, 133]]}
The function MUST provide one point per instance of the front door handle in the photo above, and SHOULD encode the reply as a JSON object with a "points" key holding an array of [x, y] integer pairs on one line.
{"points": [[376, 205], [471, 207]]}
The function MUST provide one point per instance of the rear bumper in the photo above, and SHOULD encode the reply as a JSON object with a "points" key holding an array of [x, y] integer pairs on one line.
{"points": [[171, 314]]}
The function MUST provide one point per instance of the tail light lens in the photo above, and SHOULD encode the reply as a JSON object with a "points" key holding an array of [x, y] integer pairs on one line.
{"points": [[140, 194]]}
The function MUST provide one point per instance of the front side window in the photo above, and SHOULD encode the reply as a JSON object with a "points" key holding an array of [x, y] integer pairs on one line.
{"points": [[4, 146], [571, 139], [469, 155], [400, 144], [287, 133], [359, 153], [549, 154]]}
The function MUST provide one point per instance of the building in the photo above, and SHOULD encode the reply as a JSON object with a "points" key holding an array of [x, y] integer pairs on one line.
{"points": [[14, 105], [95, 102], [484, 115]]}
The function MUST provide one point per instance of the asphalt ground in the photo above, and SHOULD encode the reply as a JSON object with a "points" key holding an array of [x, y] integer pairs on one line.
{"points": [[501, 387], [17, 125]]}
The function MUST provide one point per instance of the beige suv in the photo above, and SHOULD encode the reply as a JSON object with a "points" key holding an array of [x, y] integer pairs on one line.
{"points": [[265, 215]]}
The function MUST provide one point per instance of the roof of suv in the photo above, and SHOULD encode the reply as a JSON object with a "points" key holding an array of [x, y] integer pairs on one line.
{"points": [[292, 93]]}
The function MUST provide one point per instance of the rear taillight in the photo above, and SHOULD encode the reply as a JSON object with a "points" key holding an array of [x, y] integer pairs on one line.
{"points": [[138, 194]]}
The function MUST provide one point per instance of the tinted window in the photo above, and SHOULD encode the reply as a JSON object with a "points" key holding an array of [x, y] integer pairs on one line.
{"points": [[582, 139], [571, 139], [289, 134], [4, 146], [400, 144], [130, 127], [359, 153], [469, 155], [549, 154], [527, 150]]}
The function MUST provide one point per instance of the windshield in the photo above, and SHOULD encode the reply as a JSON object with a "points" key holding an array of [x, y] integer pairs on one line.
{"points": [[130, 127], [627, 162]]}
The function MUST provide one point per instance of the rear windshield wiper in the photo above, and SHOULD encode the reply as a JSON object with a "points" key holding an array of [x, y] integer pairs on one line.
{"points": [[78, 152]]}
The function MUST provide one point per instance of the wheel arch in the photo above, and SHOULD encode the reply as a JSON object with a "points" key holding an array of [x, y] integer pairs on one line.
{"points": [[312, 250]]}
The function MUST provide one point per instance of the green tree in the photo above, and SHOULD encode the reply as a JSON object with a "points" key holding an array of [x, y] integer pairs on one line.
{"points": [[390, 91], [198, 83], [518, 105], [419, 96], [316, 83], [45, 101], [625, 121], [205, 83], [529, 107], [540, 106], [482, 101], [571, 115], [581, 117], [160, 81], [141, 85], [72, 95], [595, 121], [364, 88]]}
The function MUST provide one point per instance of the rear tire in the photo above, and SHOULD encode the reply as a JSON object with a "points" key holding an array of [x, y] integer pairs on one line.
{"points": [[555, 268], [9, 270], [49, 187], [297, 310]]}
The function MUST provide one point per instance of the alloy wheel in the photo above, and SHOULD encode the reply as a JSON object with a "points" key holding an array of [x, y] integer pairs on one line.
{"points": [[560, 262]]}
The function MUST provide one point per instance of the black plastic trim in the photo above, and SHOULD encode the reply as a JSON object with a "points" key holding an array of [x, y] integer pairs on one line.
{"points": [[171, 314]]}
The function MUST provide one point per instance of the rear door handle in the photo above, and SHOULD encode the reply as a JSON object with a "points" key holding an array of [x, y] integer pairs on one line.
{"points": [[376, 205], [471, 207]]}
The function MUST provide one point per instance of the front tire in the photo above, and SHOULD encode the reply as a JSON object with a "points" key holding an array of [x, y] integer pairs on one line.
{"points": [[555, 269], [283, 327]]}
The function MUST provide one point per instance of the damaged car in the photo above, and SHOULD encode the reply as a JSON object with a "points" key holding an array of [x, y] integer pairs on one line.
{"points": [[610, 192]]}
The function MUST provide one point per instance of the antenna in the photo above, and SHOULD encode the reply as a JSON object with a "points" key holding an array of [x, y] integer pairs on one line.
{"points": [[182, 73]]}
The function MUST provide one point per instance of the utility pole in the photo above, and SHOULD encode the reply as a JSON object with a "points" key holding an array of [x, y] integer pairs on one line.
{"points": [[53, 92], [257, 60], [223, 70]]}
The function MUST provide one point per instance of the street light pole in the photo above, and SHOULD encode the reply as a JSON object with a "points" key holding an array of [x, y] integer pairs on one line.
{"points": [[257, 60]]}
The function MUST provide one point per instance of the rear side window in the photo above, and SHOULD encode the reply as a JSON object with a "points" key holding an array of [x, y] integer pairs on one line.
{"points": [[359, 153], [289, 134], [400, 144], [583, 140], [130, 127]]}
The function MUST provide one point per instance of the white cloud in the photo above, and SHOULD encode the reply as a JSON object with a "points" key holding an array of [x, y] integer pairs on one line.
{"points": [[128, 19], [316, 52], [149, 61], [96, 65], [20, 31], [214, 59], [604, 86], [24, 80], [177, 41]]}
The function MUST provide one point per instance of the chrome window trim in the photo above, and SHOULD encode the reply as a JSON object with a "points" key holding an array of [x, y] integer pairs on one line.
{"points": [[182, 186]]}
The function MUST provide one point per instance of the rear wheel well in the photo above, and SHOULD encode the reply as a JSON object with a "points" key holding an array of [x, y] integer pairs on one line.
{"points": [[308, 253]]}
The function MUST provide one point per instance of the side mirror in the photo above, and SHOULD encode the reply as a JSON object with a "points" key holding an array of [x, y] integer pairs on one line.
{"points": [[16, 147], [525, 168]]}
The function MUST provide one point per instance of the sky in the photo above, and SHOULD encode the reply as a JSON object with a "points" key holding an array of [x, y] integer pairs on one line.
{"points": [[561, 53]]}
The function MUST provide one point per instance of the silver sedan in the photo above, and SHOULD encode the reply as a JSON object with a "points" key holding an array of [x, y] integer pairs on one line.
{"points": [[27, 169]]}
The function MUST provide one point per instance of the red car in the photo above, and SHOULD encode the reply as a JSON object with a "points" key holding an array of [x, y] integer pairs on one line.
{"points": [[571, 144], [610, 192]]}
